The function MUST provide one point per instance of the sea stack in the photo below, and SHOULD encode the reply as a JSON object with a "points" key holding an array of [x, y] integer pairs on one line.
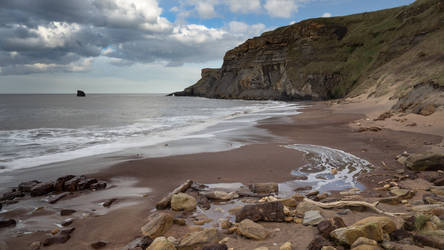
{"points": [[81, 93]]}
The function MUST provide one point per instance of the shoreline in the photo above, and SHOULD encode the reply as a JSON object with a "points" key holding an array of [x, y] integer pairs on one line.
{"points": [[320, 124]]}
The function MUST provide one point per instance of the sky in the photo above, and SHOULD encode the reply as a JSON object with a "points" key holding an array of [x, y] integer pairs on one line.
{"points": [[138, 46]]}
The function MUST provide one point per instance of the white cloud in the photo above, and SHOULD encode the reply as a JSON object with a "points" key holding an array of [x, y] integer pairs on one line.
{"points": [[241, 28], [281, 8], [206, 9], [326, 14], [78, 66], [244, 6], [194, 33]]}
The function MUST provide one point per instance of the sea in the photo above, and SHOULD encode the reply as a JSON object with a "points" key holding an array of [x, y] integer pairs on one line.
{"points": [[43, 129]]}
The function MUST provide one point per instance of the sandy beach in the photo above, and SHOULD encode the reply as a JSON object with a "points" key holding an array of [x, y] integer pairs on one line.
{"points": [[319, 124]]}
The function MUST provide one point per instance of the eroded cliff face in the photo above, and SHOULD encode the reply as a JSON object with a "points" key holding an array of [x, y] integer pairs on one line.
{"points": [[324, 58]]}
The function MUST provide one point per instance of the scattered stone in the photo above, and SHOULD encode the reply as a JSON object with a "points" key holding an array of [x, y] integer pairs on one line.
{"points": [[179, 221], [252, 230], [429, 240], [98, 186], [68, 231], [67, 222], [344, 212], [264, 188], [183, 202], [371, 227], [304, 188], [425, 162], [141, 242], [268, 211], [195, 239], [60, 182], [439, 182], [157, 225], [225, 224], [306, 206], [7, 223], [42, 189], [220, 195], [369, 129], [109, 202], [286, 246], [10, 196], [27, 186], [72, 184], [161, 243], [363, 241], [216, 247], [55, 231], [85, 183], [383, 116], [98, 244], [67, 212], [438, 190], [166, 201], [35, 245], [400, 234], [55, 198], [322, 196], [427, 109], [58, 239], [318, 243], [312, 218]]}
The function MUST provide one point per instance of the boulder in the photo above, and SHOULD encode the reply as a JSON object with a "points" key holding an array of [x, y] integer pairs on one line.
{"points": [[264, 188], [157, 225], [27, 186], [42, 189], [215, 247], [371, 227], [58, 239], [67, 212], [325, 227], [286, 246], [366, 247], [9, 196], [72, 184], [312, 218], [199, 238], [267, 211], [98, 185], [438, 190], [252, 230], [439, 181], [363, 241], [319, 243], [141, 242], [60, 182], [430, 240], [86, 183], [220, 195], [99, 244], [183, 202], [161, 243], [425, 162]]}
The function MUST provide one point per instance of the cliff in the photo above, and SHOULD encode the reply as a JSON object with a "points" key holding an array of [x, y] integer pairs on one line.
{"points": [[327, 58]]}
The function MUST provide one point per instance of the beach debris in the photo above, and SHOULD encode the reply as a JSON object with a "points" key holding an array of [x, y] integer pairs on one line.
{"points": [[161, 243], [7, 222], [166, 201], [252, 230], [372, 227], [312, 218], [183, 202], [267, 211], [157, 225], [264, 188], [199, 238]]}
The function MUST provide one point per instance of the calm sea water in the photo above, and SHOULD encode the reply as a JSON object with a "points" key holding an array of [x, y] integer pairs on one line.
{"points": [[43, 129]]}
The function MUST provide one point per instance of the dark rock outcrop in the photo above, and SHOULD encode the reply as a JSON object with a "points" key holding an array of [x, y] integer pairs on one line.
{"points": [[81, 93], [327, 58], [268, 211]]}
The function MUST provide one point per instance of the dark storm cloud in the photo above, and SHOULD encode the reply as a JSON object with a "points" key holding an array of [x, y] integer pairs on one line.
{"points": [[55, 35]]}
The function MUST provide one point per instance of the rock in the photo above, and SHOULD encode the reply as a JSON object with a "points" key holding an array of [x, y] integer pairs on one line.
{"points": [[55, 198], [27, 186], [98, 244], [220, 195], [80, 93], [109, 202], [371, 227], [60, 182], [439, 182], [58, 239], [67, 222], [264, 188], [225, 224], [344, 212], [267, 211], [7, 223], [195, 239], [366, 247], [67, 212], [203, 202], [98, 185], [161, 243], [183, 202], [400, 234], [429, 240], [68, 231], [141, 242], [35, 245], [427, 109], [319, 243], [312, 218], [438, 190], [42, 189], [157, 225], [180, 221], [328, 248], [286, 246], [261, 248], [425, 162], [216, 247], [252, 230], [306, 206], [363, 241], [86, 183], [325, 227]]}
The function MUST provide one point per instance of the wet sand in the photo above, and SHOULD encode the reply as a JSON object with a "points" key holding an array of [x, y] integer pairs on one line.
{"points": [[266, 162]]}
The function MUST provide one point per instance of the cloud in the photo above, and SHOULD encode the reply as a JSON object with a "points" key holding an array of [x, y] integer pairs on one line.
{"points": [[241, 28], [205, 9], [281, 8], [239, 6], [326, 14]]}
